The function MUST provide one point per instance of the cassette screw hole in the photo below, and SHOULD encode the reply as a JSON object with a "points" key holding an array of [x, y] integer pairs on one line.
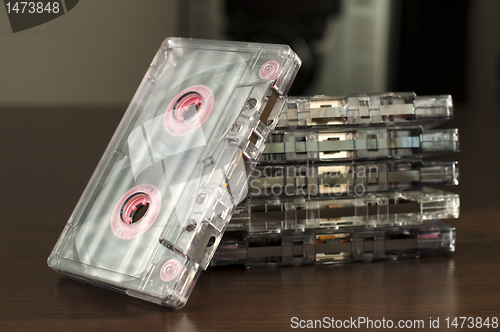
{"points": [[271, 122], [170, 270], [236, 127], [191, 227], [209, 161], [269, 71], [201, 198], [211, 241], [251, 103]]}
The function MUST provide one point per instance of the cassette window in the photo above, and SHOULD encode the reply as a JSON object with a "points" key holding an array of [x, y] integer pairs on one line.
{"points": [[393, 108], [336, 144], [278, 214], [337, 179], [331, 246]]}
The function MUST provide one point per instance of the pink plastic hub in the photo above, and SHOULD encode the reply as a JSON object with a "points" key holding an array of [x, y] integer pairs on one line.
{"points": [[269, 71], [125, 224], [132, 205], [428, 236], [170, 270], [188, 110]]}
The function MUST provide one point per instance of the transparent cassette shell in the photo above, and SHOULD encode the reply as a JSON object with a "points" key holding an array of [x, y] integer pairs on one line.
{"points": [[393, 108], [336, 179], [155, 209], [330, 246], [279, 214], [345, 144]]}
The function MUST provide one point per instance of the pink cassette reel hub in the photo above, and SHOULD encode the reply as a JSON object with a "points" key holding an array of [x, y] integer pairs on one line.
{"points": [[269, 71], [428, 236], [188, 110], [170, 270], [126, 219]]}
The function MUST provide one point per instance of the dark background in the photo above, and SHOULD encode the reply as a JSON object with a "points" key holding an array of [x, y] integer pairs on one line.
{"points": [[65, 85]]}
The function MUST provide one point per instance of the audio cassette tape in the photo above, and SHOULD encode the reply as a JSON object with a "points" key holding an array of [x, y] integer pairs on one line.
{"points": [[392, 108], [278, 214], [329, 246], [155, 209], [341, 144], [336, 179]]}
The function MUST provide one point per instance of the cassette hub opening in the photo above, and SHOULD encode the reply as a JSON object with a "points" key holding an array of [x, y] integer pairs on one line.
{"points": [[187, 106], [188, 110], [135, 208], [136, 211]]}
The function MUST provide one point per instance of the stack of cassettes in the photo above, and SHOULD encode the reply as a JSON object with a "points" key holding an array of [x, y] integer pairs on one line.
{"points": [[341, 179]]}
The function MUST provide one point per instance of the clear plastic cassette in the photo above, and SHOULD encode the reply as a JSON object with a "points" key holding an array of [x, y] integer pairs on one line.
{"points": [[155, 209], [393, 108], [338, 179], [340, 144], [278, 214], [331, 246]]}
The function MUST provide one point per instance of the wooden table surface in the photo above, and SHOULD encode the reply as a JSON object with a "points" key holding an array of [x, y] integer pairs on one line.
{"points": [[48, 155]]}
